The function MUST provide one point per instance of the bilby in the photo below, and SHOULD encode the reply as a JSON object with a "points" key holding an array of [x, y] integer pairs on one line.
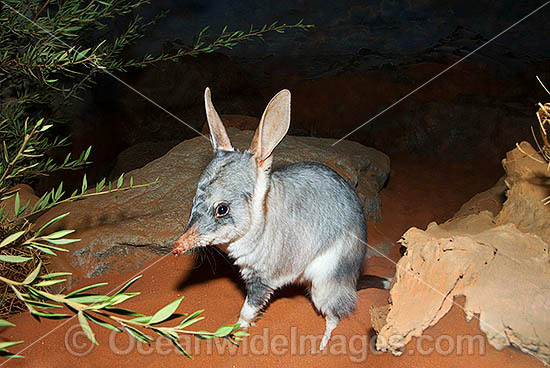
{"points": [[299, 223]]}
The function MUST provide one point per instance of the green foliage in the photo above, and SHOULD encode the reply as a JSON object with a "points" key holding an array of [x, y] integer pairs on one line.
{"points": [[24, 149], [102, 310], [49, 44]]}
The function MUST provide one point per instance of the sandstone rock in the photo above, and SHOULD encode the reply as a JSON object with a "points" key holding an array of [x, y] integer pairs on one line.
{"points": [[501, 264], [139, 155], [122, 232], [490, 200], [502, 272], [528, 182]]}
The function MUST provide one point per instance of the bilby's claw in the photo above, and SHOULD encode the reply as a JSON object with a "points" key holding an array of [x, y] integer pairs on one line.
{"points": [[331, 323], [324, 342]]}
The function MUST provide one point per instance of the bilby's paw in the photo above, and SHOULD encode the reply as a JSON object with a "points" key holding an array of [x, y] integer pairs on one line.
{"points": [[245, 324]]}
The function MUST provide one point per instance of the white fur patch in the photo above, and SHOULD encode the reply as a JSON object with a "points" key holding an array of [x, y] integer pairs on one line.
{"points": [[323, 264], [248, 313]]}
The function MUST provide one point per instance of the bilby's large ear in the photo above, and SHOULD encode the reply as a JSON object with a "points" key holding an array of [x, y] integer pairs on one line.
{"points": [[273, 126], [218, 135]]}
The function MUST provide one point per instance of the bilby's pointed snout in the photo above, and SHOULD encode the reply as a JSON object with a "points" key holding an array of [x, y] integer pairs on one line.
{"points": [[187, 241]]}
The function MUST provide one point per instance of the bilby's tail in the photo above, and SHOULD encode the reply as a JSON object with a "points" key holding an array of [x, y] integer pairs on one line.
{"points": [[373, 282]]}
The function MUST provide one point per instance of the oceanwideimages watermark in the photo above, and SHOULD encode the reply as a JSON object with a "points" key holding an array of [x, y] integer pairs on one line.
{"points": [[356, 347]]}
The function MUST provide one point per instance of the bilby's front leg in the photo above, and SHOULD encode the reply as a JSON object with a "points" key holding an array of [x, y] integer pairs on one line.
{"points": [[258, 293]]}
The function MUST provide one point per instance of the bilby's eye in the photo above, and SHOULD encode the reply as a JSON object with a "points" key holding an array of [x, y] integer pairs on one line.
{"points": [[221, 210]]}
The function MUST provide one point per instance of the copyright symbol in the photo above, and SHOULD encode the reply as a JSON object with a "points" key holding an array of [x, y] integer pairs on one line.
{"points": [[77, 343]]}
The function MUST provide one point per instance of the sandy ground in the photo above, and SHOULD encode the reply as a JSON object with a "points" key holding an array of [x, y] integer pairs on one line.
{"points": [[418, 192]]}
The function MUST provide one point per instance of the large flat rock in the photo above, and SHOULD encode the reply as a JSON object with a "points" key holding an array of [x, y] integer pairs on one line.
{"points": [[122, 232]]}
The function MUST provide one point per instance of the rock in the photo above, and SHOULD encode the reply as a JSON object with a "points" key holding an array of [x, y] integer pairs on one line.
{"points": [[378, 317], [528, 182], [139, 155], [500, 270], [490, 200], [500, 263], [122, 232]]}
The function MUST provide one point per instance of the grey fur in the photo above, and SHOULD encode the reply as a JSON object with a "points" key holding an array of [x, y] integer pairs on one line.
{"points": [[300, 223], [257, 291]]}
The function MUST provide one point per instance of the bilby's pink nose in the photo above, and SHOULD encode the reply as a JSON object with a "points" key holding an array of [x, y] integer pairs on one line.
{"points": [[185, 242]]}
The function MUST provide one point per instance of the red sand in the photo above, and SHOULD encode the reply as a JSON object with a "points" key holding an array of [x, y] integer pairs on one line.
{"points": [[419, 191]]}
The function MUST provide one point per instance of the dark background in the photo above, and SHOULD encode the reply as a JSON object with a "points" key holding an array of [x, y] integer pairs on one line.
{"points": [[361, 57]]}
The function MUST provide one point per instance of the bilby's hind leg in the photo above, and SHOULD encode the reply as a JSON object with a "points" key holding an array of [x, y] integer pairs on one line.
{"points": [[258, 294], [334, 300], [334, 286]]}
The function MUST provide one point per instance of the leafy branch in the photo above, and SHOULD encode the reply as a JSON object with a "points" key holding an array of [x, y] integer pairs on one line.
{"points": [[56, 45], [54, 197], [26, 157], [103, 310], [226, 39], [100, 309]]}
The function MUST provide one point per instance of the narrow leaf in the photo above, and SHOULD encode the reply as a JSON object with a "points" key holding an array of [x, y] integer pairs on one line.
{"points": [[49, 282], [190, 317], [30, 278], [55, 274], [7, 344], [241, 333], [205, 335], [225, 330], [102, 323], [180, 348], [13, 237], [42, 249], [51, 222], [128, 284], [84, 184], [142, 319], [17, 204], [62, 241], [14, 259], [166, 312], [121, 298], [120, 180], [123, 312], [86, 327], [138, 335], [4, 323], [49, 315], [85, 288], [89, 299], [6, 354], [58, 234], [187, 323], [42, 304]]}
